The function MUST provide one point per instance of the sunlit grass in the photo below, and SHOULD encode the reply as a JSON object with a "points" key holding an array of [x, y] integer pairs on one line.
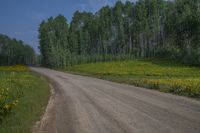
{"points": [[163, 76], [34, 94], [17, 68]]}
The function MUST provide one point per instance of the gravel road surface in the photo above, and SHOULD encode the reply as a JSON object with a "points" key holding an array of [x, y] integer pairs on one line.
{"points": [[81, 104]]}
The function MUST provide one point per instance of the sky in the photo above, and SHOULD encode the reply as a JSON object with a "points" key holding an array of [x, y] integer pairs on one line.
{"points": [[20, 19]]}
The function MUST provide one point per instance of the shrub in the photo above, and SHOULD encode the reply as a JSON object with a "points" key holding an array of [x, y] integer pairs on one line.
{"points": [[8, 101]]}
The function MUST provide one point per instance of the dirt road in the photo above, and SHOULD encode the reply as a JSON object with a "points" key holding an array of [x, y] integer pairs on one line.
{"points": [[88, 105]]}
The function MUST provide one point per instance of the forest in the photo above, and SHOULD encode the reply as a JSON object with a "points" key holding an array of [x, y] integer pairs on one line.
{"points": [[139, 30], [14, 52]]}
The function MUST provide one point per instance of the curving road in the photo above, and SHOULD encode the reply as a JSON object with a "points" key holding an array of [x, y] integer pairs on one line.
{"points": [[82, 104]]}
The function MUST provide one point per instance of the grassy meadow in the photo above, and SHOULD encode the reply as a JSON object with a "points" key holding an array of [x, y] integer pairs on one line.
{"points": [[160, 75], [23, 96]]}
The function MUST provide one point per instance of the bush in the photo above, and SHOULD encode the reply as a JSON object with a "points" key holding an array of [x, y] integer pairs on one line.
{"points": [[8, 100]]}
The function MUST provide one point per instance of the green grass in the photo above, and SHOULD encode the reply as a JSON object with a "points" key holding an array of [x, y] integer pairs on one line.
{"points": [[161, 75], [32, 102]]}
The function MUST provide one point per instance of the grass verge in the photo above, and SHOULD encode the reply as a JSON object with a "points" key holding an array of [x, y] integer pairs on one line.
{"points": [[32, 102], [160, 75]]}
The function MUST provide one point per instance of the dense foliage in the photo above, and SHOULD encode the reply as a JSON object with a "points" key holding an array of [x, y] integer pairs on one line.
{"points": [[144, 29], [14, 52]]}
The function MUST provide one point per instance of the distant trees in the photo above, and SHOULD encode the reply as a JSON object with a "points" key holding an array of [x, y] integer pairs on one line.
{"points": [[183, 30], [14, 52], [144, 29], [54, 44]]}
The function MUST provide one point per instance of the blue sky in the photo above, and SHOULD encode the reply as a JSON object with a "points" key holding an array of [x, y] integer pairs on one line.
{"points": [[20, 19]]}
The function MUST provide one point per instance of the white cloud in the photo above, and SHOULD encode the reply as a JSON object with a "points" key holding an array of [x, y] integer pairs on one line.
{"points": [[82, 7], [32, 32], [128, 0], [97, 4], [38, 16], [18, 33]]}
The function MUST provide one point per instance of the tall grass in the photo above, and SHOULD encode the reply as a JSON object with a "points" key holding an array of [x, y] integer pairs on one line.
{"points": [[34, 93]]}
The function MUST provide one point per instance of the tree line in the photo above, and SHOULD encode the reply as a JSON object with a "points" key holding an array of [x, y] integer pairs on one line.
{"points": [[130, 30], [14, 52]]}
